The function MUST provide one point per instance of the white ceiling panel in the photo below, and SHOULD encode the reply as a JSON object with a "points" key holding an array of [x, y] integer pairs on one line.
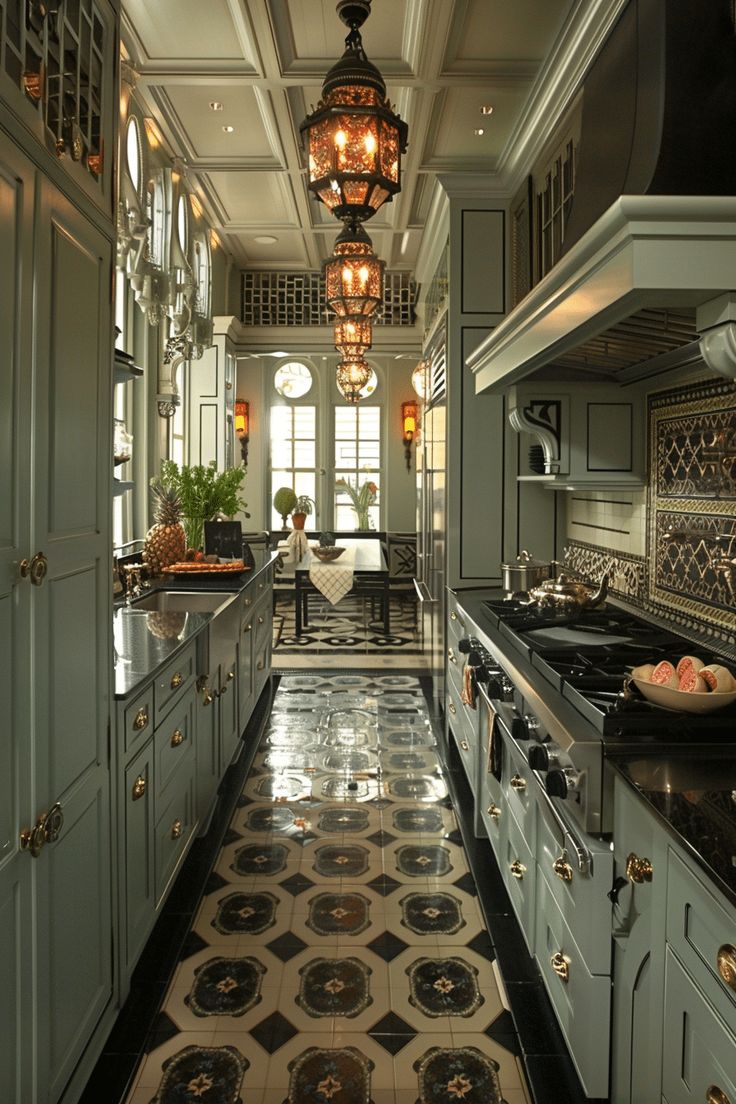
{"points": [[459, 116], [255, 199], [288, 251], [484, 31], [184, 28], [203, 126], [309, 32]]}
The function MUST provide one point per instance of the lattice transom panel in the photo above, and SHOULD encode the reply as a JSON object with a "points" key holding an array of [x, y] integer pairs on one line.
{"points": [[298, 299]]}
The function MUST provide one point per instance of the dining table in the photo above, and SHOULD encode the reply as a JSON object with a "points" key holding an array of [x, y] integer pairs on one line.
{"points": [[360, 570]]}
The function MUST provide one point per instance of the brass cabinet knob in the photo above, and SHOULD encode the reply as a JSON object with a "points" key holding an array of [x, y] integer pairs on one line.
{"points": [[562, 869], [465, 745], [638, 870], [727, 965], [494, 811], [247, 602], [714, 1095], [452, 708], [35, 569], [451, 656], [517, 782], [177, 737], [517, 868], [260, 620], [230, 676], [176, 680], [139, 787], [176, 829], [47, 829], [260, 665], [561, 966], [247, 628], [141, 719]]}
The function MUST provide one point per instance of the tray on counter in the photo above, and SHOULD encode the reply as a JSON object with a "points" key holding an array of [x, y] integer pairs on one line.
{"points": [[205, 570]]}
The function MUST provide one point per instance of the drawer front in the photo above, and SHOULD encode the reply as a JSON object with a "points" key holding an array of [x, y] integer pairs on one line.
{"points": [[637, 836], [229, 717], [138, 867], [138, 720], [702, 933], [263, 584], [521, 788], [170, 685], [459, 625], [519, 872], [174, 742], [174, 827], [581, 898], [465, 739], [581, 1000], [699, 1050]]}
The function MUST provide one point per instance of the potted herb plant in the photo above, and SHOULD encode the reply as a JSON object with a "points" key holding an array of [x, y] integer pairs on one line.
{"points": [[301, 510], [204, 494]]}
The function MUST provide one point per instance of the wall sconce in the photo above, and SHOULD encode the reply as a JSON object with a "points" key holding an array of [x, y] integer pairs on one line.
{"points": [[242, 427], [409, 419]]}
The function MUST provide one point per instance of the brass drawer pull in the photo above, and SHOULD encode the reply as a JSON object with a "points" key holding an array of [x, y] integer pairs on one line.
{"points": [[456, 617], [517, 782], [139, 788], [561, 966], [247, 602], [35, 569], [494, 811], [638, 870], [465, 745], [260, 665], [176, 680], [562, 869], [177, 737], [47, 829], [727, 964], [714, 1095], [452, 708], [517, 868], [260, 620], [451, 656], [176, 829], [230, 676], [247, 628], [141, 719]]}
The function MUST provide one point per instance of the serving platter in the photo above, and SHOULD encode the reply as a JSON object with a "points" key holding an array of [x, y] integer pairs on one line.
{"points": [[683, 701], [202, 570]]}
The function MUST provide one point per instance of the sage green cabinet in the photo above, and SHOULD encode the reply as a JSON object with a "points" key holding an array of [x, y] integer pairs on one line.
{"points": [[56, 915], [138, 879], [217, 730]]}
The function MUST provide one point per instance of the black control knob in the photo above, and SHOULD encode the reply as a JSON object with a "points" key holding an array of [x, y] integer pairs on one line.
{"points": [[464, 645], [555, 783], [519, 728], [538, 757]]}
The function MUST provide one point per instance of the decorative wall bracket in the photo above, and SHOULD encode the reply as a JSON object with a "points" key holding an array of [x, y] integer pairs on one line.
{"points": [[543, 419], [178, 348], [716, 324]]}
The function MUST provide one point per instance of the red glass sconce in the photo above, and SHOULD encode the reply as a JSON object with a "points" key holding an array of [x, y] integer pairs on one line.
{"points": [[409, 426], [242, 427]]}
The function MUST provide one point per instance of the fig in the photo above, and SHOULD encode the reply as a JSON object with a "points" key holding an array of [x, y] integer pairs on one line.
{"points": [[664, 674], [719, 679], [688, 661], [643, 673]]}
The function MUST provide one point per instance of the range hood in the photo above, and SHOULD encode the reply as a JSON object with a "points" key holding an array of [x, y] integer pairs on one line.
{"points": [[647, 279]]}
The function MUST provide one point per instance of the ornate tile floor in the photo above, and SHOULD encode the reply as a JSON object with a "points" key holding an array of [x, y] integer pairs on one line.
{"points": [[339, 955]]}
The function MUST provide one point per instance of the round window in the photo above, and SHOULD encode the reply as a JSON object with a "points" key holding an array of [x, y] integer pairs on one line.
{"points": [[133, 152], [292, 380], [370, 386]]}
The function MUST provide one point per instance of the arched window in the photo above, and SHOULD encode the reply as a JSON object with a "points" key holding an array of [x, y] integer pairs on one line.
{"points": [[294, 445]]}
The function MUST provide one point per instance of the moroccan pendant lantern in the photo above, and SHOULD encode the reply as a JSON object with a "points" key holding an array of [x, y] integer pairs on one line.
{"points": [[354, 139], [353, 337], [354, 275], [352, 376]]}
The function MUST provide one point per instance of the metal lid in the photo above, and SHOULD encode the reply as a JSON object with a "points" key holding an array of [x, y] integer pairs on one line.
{"points": [[525, 559]]}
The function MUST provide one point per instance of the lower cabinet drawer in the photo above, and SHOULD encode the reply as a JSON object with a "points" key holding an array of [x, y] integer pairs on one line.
{"points": [[580, 897], [581, 1000], [173, 743], [703, 935], [699, 1060], [491, 813], [519, 872], [138, 720], [138, 864], [175, 820], [170, 684], [521, 786]]}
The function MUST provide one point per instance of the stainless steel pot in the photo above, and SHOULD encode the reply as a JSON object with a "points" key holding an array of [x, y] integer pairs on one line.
{"points": [[520, 577]]}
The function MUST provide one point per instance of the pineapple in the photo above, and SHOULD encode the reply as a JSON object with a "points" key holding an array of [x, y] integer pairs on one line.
{"points": [[165, 543]]}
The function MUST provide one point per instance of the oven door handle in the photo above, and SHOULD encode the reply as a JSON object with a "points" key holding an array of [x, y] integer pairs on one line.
{"points": [[570, 842]]}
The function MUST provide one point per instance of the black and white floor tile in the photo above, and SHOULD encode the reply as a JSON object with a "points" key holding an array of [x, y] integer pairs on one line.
{"points": [[347, 633], [339, 954]]}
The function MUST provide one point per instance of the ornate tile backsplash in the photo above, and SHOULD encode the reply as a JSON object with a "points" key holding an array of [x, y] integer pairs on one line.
{"points": [[688, 575], [692, 506]]}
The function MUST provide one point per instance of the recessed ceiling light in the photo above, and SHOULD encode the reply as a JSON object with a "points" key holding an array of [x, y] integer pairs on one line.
{"points": [[265, 239], [215, 105], [486, 109], [479, 131], [228, 129]]}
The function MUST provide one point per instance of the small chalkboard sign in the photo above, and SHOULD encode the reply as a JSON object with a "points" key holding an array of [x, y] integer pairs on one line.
{"points": [[223, 539]]}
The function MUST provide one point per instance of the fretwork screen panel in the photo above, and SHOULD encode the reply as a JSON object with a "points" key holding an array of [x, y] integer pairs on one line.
{"points": [[298, 299], [57, 64]]}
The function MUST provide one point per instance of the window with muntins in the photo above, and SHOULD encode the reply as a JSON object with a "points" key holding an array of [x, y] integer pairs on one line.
{"points": [[357, 465], [293, 453]]}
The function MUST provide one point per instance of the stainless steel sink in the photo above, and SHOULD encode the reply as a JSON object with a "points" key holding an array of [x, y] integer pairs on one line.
{"points": [[201, 601], [216, 643]]}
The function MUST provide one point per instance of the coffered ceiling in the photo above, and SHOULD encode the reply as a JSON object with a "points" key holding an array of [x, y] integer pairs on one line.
{"points": [[264, 61]]}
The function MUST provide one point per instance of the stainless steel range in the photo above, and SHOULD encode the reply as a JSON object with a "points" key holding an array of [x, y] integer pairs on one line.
{"points": [[571, 705]]}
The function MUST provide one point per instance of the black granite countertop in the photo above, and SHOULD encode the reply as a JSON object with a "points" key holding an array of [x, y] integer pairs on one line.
{"points": [[145, 640], [694, 796]]}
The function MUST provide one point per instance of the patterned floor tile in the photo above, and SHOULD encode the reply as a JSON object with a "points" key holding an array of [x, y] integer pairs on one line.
{"points": [[406, 1061]]}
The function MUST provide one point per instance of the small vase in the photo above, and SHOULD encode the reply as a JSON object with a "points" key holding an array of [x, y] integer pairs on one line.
{"points": [[363, 519], [298, 520]]}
